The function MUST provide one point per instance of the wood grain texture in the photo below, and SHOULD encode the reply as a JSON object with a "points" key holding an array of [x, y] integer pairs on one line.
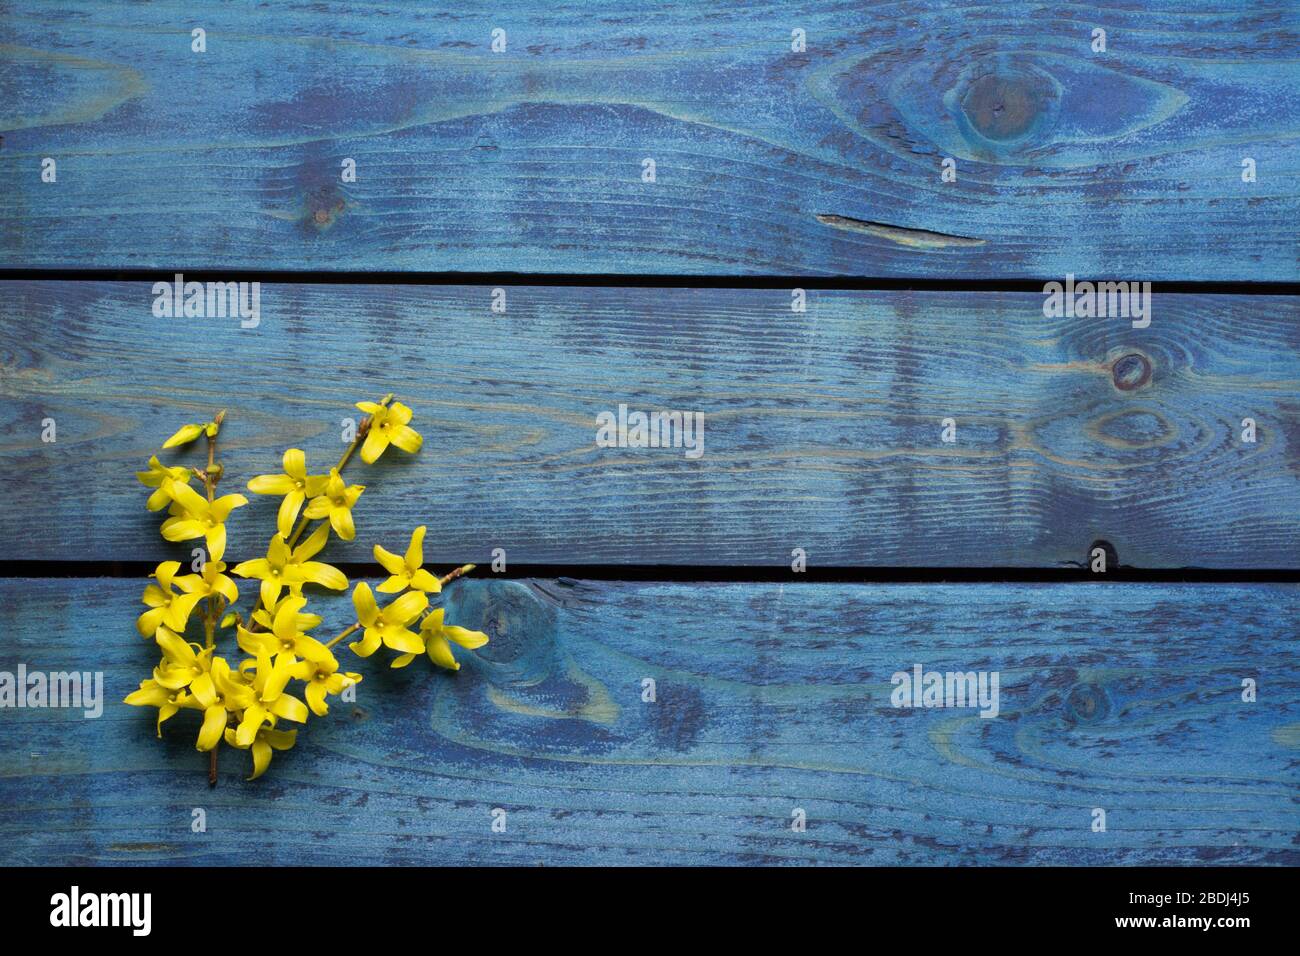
{"points": [[768, 697], [822, 429], [1125, 163]]}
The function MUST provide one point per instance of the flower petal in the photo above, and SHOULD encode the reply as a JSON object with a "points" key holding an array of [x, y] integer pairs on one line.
{"points": [[400, 639], [341, 522], [178, 612], [174, 648], [165, 572], [286, 617], [295, 463], [376, 442], [147, 623], [389, 561], [254, 717], [312, 546], [270, 485], [325, 575], [315, 694], [255, 642], [256, 568], [407, 439], [422, 580], [150, 694], [399, 414], [203, 689], [288, 512], [222, 507], [226, 588], [277, 552], [440, 653], [276, 680], [270, 591], [214, 724], [463, 637], [290, 708], [216, 539], [364, 601], [261, 752], [281, 739], [415, 550], [190, 500], [406, 608], [368, 644], [183, 529]]}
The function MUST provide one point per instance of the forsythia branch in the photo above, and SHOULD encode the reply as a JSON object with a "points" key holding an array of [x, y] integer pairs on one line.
{"points": [[244, 704]]}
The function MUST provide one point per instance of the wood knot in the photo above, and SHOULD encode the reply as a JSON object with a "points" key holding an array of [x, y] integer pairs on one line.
{"points": [[1008, 103], [1130, 371], [520, 627], [1087, 704], [324, 206]]}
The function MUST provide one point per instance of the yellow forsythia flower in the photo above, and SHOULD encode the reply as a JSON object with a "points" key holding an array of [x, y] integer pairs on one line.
{"points": [[266, 616], [218, 693], [388, 426], [181, 662], [212, 581], [389, 624], [295, 484], [286, 635], [270, 700], [322, 677], [407, 572], [200, 518], [336, 504], [154, 694], [284, 568], [266, 740], [161, 478], [436, 636], [166, 607]]}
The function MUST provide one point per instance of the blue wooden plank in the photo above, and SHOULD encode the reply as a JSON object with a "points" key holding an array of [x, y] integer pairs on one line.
{"points": [[1125, 163], [1125, 698], [822, 430]]}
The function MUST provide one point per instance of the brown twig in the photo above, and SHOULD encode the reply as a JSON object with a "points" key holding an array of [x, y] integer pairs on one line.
{"points": [[448, 578], [210, 478]]}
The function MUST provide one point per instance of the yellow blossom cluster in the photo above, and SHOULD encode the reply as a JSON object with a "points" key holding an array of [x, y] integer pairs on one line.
{"points": [[244, 705]]}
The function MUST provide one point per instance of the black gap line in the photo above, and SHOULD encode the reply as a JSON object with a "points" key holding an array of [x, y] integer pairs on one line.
{"points": [[729, 573], [630, 281]]}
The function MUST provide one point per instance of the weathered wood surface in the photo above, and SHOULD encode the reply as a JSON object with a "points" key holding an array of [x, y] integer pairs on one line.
{"points": [[822, 429], [1125, 163], [768, 697]]}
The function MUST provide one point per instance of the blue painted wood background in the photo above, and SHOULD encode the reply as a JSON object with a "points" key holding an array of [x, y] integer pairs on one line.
{"points": [[1123, 163], [1124, 697], [822, 427]]}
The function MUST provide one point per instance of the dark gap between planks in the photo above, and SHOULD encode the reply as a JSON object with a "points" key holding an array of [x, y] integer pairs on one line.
{"points": [[630, 281], [726, 573]]}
